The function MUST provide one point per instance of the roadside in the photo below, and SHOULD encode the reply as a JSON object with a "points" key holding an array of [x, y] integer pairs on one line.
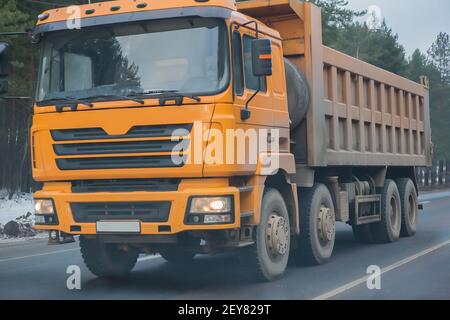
{"points": [[16, 216]]}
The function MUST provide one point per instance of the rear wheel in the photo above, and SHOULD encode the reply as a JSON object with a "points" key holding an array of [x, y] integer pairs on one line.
{"points": [[268, 258], [107, 260], [388, 229], [318, 225], [410, 207]]}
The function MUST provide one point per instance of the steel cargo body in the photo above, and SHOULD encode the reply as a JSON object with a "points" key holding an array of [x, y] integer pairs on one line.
{"points": [[359, 115]]}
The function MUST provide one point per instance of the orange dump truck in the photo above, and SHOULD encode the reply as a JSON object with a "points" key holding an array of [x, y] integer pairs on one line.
{"points": [[138, 106]]}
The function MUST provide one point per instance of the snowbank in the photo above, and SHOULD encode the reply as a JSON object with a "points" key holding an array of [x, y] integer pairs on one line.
{"points": [[16, 215], [19, 205]]}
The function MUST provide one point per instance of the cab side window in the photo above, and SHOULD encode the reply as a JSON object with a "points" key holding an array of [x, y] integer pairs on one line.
{"points": [[238, 72], [251, 82]]}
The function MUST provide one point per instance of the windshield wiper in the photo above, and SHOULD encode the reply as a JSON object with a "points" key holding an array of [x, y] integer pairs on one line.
{"points": [[114, 97], [165, 95], [62, 102]]}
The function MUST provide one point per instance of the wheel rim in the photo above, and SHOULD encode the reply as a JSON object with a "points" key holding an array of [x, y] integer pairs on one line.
{"points": [[278, 237], [412, 209], [394, 214], [326, 225]]}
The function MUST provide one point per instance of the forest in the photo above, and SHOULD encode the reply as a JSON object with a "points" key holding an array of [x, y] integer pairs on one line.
{"points": [[343, 30]]}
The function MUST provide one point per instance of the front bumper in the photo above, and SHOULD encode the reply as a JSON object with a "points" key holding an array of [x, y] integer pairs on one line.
{"points": [[62, 195]]}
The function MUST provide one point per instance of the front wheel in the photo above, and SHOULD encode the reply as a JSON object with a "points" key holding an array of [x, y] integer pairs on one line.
{"points": [[107, 260], [268, 258]]}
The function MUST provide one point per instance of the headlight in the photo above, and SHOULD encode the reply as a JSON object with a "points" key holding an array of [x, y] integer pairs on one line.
{"points": [[44, 207], [206, 205], [45, 213]]}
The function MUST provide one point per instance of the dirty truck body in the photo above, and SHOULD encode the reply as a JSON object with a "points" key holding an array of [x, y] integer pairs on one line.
{"points": [[350, 135]]}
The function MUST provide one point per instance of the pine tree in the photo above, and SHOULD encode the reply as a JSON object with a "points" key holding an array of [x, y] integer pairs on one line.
{"points": [[439, 53], [379, 47], [335, 16]]}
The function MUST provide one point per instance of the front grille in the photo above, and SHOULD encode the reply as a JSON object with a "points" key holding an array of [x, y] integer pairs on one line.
{"points": [[126, 185], [135, 132], [119, 147], [143, 211], [122, 150], [118, 163]]}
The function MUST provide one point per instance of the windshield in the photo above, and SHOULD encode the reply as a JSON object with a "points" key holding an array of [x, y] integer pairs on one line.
{"points": [[188, 55]]}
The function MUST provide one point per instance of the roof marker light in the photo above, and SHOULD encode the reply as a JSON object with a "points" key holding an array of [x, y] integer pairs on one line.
{"points": [[90, 11], [115, 8], [43, 16], [141, 5]]}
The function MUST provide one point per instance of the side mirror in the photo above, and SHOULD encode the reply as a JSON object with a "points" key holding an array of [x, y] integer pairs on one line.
{"points": [[5, 66], [261, 57]]}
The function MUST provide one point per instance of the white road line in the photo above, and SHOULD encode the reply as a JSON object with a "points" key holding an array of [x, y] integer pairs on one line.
{"points": [[39, 255], [396, 265], [146, 258]]}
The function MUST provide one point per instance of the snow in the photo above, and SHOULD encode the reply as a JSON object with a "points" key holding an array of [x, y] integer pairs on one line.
{"points": [[20, 208], [19, 205], [39, 236]]}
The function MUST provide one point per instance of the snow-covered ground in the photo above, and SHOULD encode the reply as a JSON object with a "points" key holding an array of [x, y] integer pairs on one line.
{"points": [[18, 212], [19, 205]]}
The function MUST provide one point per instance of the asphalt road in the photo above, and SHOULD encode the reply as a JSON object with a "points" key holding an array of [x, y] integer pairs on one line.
{"points": [[412, 268]]}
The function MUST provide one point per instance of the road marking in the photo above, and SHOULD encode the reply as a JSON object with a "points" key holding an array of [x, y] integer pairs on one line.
{"points": [[38, 255], [396, 265], [146, 258]]}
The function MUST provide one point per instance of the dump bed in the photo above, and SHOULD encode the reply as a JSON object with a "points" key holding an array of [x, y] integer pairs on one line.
{"points": [[359, 115]]}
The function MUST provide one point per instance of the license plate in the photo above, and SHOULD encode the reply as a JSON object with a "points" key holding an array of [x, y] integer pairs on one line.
{"points": [[119, 227]]}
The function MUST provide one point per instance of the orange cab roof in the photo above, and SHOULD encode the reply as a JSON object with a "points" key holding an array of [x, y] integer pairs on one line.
{"points": [[127, 6]]}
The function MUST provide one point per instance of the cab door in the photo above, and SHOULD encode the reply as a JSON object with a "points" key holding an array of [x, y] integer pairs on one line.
{"points": [[246, 84]]}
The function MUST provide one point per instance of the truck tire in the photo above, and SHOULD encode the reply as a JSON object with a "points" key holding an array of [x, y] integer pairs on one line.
{"points": [[363, 234], [268, 258], [317, 225], [388, 229], [297, 93], [410, 207], [107, 260], [176, 255]]}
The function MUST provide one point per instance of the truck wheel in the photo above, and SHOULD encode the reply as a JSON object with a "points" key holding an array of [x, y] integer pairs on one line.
{"points": [[176, 255], [268, 258], [363, 234], [388, 229], [318, 225], [107, 260], [409, 203]]}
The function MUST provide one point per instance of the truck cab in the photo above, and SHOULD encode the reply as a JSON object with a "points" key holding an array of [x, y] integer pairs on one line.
{"points": [[128, 108]]}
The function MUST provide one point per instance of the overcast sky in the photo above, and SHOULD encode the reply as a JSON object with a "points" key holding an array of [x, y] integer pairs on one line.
{"points": [[417, 22]]}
